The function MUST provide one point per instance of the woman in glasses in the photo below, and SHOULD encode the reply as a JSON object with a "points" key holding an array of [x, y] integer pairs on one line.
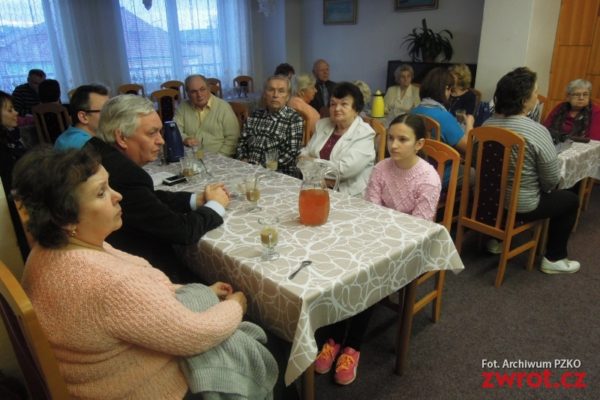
{"points": [[577, 117]]}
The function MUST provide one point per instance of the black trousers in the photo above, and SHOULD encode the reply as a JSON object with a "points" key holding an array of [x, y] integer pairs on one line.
{"points": [[561, 207]]}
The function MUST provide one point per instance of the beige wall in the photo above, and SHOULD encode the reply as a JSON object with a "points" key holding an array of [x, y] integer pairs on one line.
{"points": [[516, 33], [10, 255]]}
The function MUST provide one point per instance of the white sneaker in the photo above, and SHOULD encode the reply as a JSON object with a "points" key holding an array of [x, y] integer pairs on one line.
{"points": [[493, 246], [564, 266]]}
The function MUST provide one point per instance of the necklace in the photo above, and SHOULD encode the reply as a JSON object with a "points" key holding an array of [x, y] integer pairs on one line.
{"points": [[76, 243]]}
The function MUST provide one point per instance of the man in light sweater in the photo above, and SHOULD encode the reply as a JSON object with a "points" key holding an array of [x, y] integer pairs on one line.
{"points": [[207, 120]]}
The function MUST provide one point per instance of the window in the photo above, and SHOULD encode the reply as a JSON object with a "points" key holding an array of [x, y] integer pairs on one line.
{"points": [[176, 39]]}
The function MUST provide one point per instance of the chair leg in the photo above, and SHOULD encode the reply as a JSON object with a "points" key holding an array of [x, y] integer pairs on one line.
{"points": [[440, 278], [503, 261], [537, 233], [459, 237], [582, 189], [405, 328]]}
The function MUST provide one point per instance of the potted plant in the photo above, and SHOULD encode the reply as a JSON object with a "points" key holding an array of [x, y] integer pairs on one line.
{"points": [[427, 45]]}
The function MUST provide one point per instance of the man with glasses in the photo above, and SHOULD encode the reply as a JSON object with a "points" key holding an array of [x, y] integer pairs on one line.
{"points": [[207, 120], [277, 127], [86, 103]]}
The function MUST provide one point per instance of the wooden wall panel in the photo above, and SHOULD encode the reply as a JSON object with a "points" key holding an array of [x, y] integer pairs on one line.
{"points": [[595, 79], [576, 22], [594, 67], [568, 63]]}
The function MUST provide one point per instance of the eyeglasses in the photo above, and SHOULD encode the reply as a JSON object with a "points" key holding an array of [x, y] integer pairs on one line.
{"points": [[582, 95]]}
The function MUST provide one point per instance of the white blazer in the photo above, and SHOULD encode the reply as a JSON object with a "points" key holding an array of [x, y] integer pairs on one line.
{"points": [[353, 155]]}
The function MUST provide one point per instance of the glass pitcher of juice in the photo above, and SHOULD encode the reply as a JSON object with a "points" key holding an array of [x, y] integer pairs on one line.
{"points": [[313, 201]]}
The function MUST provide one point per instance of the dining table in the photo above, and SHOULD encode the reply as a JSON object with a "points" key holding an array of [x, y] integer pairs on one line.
{"points": [[361, 255], [579, 163]]}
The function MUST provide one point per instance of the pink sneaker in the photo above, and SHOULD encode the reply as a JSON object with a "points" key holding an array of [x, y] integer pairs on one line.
{"points": [[327, 356], [345, 369]]}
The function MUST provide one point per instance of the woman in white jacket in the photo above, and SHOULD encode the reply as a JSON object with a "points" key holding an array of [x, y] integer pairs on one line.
{"points": [[345, 140]]}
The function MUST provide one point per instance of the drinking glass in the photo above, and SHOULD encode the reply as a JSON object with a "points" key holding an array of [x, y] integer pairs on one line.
{"points": [[271, 159], [188, 164], [269, 237], [252, 190]]}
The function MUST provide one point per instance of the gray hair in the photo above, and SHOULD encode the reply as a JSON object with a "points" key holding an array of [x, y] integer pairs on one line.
{"points": [[402, 68], [303, 82], [189, 79], [579, 84], [280, 78], [364, 89], [123, 113]]}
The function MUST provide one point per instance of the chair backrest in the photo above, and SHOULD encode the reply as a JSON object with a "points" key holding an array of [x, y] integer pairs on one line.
{"points": [[175, 85], [306, 133], [165, 100], [241, 111], [35, 357], [380, 138], [131, 88], [539, 112], [499, 155], [244, 80], [215, 87], [442, 157], [51, 119], [434, 131]]}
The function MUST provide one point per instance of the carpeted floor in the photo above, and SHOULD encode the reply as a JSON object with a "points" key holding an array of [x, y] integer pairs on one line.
{"points": [[533, 317]]}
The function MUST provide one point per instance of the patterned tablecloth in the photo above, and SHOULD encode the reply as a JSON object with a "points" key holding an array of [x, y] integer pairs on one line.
{"points": [[579, 161], [362, 254]]}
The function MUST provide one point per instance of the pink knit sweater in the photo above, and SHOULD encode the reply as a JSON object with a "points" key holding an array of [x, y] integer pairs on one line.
{"points": [[415, 191], [115, 325]]}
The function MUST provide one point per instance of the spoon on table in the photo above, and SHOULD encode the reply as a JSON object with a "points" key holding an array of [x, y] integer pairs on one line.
{"points": [[303, 264]]}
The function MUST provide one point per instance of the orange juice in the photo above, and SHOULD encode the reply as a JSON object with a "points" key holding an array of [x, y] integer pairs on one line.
{"points": [[313, 205]]}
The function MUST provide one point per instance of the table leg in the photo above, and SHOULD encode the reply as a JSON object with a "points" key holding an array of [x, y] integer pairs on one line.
{"points": [[405, 328], [583, 184], [308, 383]]}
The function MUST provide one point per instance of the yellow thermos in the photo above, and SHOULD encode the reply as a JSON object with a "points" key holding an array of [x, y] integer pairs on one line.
{"points": [[378, 107]]}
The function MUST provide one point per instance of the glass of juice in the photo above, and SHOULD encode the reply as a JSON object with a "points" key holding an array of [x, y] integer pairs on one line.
{"points": [[269, 237]]}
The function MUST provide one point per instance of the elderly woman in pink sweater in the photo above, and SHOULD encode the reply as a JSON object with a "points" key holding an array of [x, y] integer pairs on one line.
{"points": [[112, 319], [404, 181]]}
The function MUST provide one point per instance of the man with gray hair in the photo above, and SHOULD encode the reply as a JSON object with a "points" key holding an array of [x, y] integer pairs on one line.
{"points": [[277, 127], [128, 137], [206, 119]]}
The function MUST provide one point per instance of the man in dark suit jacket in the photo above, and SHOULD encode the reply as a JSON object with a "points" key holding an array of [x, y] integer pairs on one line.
{"points": [[324, 87], [129, 137]]}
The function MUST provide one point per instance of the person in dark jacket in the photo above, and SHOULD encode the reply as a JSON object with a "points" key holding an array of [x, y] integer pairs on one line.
{"points": [[128, 137]]}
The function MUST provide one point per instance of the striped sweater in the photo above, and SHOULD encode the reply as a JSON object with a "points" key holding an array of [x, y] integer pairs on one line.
{"points": [[541, 171]]}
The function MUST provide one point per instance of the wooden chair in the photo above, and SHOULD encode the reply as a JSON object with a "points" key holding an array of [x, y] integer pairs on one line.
{"points": [[306, 132], [441, 156], [432, 127], [241, 112], [215, 87], [540, 111], [165, 100], [131, 88], [175, 85], [380, 138], [244, 80], [33, 352], [51, 119], [492, 212]]}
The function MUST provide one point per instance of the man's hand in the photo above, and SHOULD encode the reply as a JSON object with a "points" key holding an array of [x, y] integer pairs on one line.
{"points": [[221, 289], [190, 142], [217, 192]]}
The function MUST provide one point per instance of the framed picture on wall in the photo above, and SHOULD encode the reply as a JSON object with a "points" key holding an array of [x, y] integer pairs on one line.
{"points": [[414, 5], [339, 12]]}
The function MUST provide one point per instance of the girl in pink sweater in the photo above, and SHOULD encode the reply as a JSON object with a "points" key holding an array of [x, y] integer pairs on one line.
{"points": [[112, 319], [405, 182]]}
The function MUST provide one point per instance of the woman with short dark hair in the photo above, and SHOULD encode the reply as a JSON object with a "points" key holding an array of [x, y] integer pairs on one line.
{"points": [[345, 140], [515, 97], [435, 93], [118, 326]]}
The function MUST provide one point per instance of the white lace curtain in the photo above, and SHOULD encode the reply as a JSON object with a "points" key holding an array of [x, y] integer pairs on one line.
{"points": [[120, 41]]}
